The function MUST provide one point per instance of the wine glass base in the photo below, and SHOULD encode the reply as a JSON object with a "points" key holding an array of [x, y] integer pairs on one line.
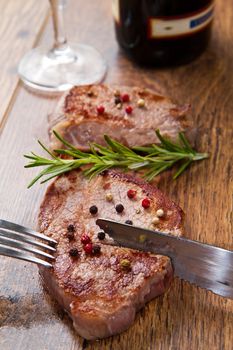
{"points": [[79, 64]]}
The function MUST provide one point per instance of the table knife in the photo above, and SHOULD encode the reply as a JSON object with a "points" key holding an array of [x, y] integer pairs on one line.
{"points": [[206, 266]]}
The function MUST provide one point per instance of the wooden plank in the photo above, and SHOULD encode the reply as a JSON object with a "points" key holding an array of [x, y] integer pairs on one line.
{"points": [[21, 23], [187, 317]]}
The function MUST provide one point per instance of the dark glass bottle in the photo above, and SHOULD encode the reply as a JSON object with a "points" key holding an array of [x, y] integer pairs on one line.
{"points": [[163, 32]]}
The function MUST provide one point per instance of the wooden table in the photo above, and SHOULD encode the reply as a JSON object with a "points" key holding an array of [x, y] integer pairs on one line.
{"points": [[187, 317]]}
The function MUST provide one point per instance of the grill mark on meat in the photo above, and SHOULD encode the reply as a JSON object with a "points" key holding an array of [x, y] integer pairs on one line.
{"points": [[100, 296]]}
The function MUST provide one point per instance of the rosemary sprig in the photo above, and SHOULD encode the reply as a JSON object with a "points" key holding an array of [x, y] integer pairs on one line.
{"points": [[154, 159]]}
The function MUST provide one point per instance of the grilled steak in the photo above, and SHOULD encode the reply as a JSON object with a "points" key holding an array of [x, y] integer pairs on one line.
{"points": [[102, 288], [129, 115]]}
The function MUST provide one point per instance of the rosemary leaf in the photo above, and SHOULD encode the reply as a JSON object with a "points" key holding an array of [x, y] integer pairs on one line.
{"points": [[182, 168], [185, 143], [154, 158]]}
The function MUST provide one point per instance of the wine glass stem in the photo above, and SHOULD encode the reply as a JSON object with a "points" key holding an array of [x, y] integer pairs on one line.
{"points": [[60, 41]]}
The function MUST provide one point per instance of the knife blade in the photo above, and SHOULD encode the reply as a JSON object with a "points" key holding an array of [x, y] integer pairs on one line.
{"points": [[207, 266]]}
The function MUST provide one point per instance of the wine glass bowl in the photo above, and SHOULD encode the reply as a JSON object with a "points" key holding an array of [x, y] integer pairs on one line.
{"points": [[45, 70], [64, 65]]}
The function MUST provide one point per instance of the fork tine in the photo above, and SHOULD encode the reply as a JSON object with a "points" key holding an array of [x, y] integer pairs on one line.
{"points": [[23, 238], [12, 243], [7, 251], [22, 229]]}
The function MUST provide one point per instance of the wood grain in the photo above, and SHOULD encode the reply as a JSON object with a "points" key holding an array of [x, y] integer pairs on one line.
{"points": [[186, 318], [21, 23]]}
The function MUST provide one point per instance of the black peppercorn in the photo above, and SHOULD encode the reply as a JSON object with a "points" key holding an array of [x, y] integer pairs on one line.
{"points": [[96, 249], [101, 235], [70, 228], [129, 222], [93, 209], [117, 100], [74, 252], [119, 208]]}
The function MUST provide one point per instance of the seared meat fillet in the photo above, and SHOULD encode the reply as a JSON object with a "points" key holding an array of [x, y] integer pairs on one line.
{"points": [[80, 119], [100, 294]]}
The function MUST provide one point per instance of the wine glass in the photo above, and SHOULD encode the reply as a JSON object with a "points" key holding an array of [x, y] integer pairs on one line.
{"points": [[62, 66]]}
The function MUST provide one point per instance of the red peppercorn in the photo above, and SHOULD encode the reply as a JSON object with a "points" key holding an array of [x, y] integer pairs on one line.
{"points": [[128, 109], [85, 239], [88, 248], [131, 193], [100, 109], [125, 98], [146, 203]]}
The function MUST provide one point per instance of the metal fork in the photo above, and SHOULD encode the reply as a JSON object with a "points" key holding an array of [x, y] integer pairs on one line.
{"points": [[16, 239]]}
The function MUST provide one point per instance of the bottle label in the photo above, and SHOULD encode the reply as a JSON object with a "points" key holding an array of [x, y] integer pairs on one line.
{"points": [[168, 27]]}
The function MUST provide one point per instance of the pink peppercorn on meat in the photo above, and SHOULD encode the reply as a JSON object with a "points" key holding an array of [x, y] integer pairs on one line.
{"points": [[129, 115], [102, 286]]}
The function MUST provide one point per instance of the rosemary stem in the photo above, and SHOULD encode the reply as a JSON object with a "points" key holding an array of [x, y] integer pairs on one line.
{"points": [[155, 160], [200, 156]]}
